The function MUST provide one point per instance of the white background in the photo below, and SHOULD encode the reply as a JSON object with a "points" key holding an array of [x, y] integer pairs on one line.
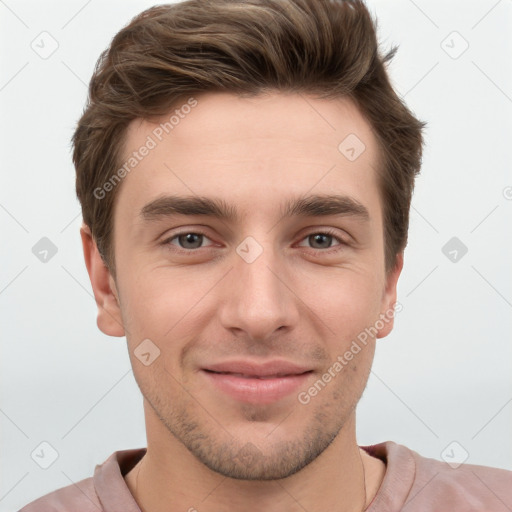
{"points": [[443, 375]]}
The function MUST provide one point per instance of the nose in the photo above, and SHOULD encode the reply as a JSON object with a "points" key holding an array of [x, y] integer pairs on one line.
{"points": [[258, 297]]}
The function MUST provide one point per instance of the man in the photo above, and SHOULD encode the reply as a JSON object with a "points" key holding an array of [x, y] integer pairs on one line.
{"points": [[254, 131]]}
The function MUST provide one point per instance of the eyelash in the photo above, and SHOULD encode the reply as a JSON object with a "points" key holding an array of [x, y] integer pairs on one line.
{"points": [[327, 231]]}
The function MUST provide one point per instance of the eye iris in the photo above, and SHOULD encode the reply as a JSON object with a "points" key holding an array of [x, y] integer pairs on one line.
{"points": [[189, 238], [320, 236], [195, 239]]}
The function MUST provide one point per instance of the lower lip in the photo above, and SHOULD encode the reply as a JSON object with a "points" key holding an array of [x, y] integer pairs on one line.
{"points": [[257, 391]]}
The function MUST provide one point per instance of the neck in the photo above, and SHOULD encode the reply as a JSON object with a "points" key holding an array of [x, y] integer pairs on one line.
{"points": [[170, 478]]}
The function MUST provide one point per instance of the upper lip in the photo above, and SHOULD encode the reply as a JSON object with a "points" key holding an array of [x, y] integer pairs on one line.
{"points": [[266, 369]]}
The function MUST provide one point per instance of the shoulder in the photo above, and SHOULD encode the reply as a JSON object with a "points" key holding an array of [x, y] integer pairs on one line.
{"points": [[107, 489], [78, 497], [442, 485], [416, 483]]}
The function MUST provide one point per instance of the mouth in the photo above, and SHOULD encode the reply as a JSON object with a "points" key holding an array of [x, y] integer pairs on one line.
{"points": [[263, 377], [259, 385]]}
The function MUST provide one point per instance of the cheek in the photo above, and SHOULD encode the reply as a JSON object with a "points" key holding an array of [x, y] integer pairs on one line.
{"points": [[155, 305], [172, 309], [167, 303], [160, 309], [346, 300]]}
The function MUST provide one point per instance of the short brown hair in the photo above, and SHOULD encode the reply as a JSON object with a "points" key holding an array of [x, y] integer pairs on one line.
{"points": [[326, 48]]}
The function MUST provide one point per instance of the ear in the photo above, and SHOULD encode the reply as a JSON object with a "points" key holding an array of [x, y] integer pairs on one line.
{"points": [[388, 311], [107, 299]]}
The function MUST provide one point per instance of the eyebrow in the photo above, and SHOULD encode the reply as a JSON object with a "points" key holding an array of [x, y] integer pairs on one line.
{"points": [[310, 206]]}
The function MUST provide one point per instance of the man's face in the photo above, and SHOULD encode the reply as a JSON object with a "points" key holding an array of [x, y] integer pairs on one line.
{"points": [[256, 287]]}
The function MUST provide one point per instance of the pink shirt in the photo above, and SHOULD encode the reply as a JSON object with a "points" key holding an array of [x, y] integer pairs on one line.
{"points": [[411, 483]]}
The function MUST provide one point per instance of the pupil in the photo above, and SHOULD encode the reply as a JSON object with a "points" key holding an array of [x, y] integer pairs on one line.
{"points": [[319, 237], [189, 238]]}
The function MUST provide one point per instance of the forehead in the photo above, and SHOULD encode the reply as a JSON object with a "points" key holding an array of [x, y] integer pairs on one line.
{"points": [[250, 150]]}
